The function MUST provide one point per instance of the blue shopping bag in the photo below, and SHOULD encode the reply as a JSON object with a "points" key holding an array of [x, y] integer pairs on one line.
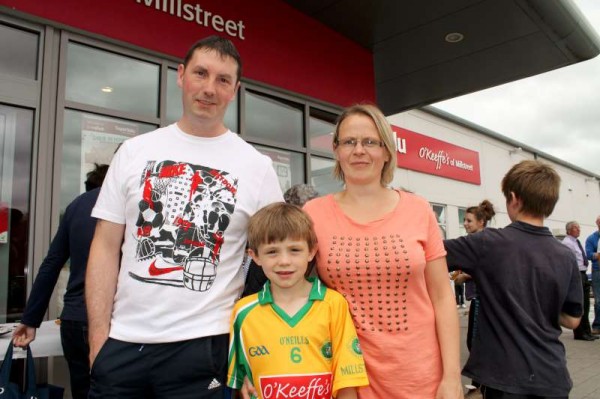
{"points": [[10, 390]]}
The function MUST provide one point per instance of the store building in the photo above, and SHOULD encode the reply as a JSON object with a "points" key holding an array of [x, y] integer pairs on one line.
{"points": [[456, 164], [79, 76]]}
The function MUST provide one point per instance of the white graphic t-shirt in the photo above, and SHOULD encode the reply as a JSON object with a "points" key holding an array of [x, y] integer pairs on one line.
{"points": [[186, 202]]}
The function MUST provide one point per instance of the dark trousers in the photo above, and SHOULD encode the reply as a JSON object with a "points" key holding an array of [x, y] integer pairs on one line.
{"points": [[459, 293], [472, 326], [584, 326], [74, 339], [195, 368], [490, 393]]}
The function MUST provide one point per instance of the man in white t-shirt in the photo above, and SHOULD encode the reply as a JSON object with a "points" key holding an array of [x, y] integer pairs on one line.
{"points": [[165, 263]]}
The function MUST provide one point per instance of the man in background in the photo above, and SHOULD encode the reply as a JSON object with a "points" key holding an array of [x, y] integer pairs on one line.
{"points": [[591, 249], [583, 332], [72, 241]]}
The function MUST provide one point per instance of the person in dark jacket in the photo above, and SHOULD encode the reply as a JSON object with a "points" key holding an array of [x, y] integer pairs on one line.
{"points": [[72, 241], [529, 287]]}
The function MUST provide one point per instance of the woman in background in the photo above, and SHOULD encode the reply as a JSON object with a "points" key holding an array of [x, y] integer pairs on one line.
{"points": [[382, 249], [476, 219]]}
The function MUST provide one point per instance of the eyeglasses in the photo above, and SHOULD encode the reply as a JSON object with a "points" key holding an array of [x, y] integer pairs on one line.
{"points": [[366, 143]]}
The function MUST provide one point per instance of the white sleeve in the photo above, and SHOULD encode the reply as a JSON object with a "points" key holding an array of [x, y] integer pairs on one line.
{"points": [[111, 201]]}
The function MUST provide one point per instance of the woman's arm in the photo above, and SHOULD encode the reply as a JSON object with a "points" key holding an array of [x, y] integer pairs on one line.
{"points": [[347, 393], [446, 325]]}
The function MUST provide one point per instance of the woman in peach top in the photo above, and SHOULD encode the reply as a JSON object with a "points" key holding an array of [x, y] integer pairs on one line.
{"points": [[382, 249]]}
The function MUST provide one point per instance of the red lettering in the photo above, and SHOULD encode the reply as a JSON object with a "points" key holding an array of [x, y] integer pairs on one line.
{"points": [[308, 386], [172, 170], [223, 181]]}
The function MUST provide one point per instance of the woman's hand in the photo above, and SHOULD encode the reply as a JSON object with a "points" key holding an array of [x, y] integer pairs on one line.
{"points": [[450, 388]]}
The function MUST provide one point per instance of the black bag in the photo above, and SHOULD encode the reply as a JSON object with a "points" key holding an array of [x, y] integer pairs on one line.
{"points": [[10, 390]]}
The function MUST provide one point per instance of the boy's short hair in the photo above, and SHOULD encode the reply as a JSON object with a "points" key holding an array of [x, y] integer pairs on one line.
{"points": [[536, 184], [278, 222]]}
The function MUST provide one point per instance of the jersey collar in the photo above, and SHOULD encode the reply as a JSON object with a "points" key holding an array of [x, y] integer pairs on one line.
{"points": [[317, 292]]}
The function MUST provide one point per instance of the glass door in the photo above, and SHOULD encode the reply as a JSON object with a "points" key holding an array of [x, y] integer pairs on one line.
{"points": [[16, 131]]}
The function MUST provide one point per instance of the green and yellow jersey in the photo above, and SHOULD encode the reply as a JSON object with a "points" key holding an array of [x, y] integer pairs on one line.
{"points": [[312, 355]]}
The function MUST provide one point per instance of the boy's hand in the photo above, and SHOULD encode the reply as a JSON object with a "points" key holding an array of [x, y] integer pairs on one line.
{"points": [[248, 391]]}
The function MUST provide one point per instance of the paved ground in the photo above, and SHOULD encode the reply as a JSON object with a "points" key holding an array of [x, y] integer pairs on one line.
{"points": [[583, 361]]}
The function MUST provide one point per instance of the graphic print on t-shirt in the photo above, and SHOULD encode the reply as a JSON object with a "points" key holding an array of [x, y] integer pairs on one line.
{"points": [[183, 214]]}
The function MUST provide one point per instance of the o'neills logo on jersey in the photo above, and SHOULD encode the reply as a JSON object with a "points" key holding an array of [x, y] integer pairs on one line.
{"points": [[303, 386]]}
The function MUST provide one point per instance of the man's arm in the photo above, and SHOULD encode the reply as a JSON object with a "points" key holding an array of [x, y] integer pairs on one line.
{"points": [[572, 308], [101, 281], [567, 321], [462, 253], [41, 292], [591, 247]]}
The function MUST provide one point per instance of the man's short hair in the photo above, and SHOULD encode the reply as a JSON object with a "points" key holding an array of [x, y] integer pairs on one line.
{"points": [[536, 184], [570, 225], [224, 47], [95, 177], [280, 221], [300, 194]]}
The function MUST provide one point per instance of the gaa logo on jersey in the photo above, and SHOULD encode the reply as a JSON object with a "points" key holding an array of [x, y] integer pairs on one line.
{"points": [[300, 386], [260, 350]]}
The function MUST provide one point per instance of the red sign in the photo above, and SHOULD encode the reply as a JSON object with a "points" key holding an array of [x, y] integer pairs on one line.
{"points": [[428, 155], [3, 223], [279, 45], [302, 386]]}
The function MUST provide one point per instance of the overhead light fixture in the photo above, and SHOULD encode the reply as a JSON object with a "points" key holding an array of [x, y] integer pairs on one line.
{"points": [[515, 150], [107, 89], [454, 37]]}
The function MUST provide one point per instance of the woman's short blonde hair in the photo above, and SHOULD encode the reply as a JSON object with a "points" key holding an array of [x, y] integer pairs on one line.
{"points": [[386, 135]]}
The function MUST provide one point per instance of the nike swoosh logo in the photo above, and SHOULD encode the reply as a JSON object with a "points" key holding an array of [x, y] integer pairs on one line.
{"points": [[157, 271]]}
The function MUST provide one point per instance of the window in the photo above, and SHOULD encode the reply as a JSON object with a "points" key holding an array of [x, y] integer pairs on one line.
{"points": [[321, 127], [19, 55], [461, 217], [288, 165], [273, 119], [108, 80], [16, 137], [90, 139], [174, 105], [322, 176], [440, 214]]}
